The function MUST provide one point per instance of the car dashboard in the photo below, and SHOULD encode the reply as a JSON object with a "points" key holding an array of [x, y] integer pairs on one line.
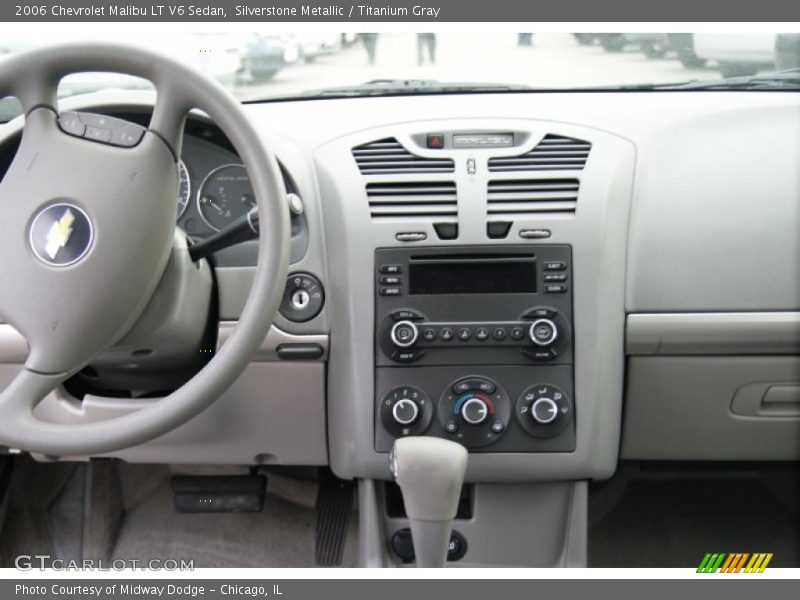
{"points": [[555, 280]]}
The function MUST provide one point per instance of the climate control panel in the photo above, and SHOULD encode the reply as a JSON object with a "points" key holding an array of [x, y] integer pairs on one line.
{"points": [[500, 409]]}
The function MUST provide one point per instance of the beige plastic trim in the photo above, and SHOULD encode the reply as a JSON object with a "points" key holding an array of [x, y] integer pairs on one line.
{"points": [[650, 334]]}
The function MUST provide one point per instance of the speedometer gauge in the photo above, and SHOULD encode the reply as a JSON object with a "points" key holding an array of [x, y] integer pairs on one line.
{"points": [[225, 195], [184, 188]]}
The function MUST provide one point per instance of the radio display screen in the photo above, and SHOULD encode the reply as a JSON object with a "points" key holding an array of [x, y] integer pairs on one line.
{"points": [[476, 276]]}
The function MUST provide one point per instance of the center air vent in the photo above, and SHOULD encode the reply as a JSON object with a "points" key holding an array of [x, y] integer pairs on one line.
{"points": [[531, 196], [388, 156], [553, 153], [429, 200]]}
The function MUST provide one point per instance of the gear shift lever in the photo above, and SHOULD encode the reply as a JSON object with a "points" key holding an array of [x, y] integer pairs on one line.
{"points": [[430, 472]]}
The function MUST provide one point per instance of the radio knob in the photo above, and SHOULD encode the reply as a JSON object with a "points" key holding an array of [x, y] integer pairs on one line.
{"points": [[405, 411], [474, 411], [544, 411], [543, 332], [404, 334]]}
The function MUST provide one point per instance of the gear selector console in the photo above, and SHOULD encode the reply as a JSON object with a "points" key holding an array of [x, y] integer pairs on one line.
{"points": [[475, 344]]}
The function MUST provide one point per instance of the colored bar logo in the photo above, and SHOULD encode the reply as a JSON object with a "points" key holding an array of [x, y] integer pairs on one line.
{"points": [[737, 562]]}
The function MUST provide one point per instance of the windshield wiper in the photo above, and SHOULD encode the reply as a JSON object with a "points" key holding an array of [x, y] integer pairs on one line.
{"points": [[788, 79], [378, 87]]}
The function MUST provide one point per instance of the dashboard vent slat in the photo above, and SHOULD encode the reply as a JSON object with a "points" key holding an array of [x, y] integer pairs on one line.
{"points": [[523, 197], [552, 153], [388, 156], [413, 200]]}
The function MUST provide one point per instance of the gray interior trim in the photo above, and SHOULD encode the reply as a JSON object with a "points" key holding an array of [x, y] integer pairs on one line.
{"points": [[691, 408], [14, 349], [275, 338], [255, 421], [372, 548], [519, 525], [713, 333]]}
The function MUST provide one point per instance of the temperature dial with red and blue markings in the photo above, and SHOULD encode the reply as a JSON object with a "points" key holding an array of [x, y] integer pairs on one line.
{"points": [[474, 408], [474, 411]]}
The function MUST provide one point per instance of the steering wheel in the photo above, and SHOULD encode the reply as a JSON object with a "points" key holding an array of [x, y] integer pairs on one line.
{"points": [[87, 229]]}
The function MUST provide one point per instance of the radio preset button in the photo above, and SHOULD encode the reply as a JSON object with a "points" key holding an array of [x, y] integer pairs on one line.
{"points": [[464, 334], [517, 333], [446, 334], [428, 334], [499, 333], [481, 334]]}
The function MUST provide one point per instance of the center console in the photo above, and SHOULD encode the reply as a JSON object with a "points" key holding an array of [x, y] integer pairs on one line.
{"points": [[509, 344], [474, 344]]}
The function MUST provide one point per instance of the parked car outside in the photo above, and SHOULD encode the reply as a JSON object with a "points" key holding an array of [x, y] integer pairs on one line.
{"points": [[264, 55], [737, 54]]}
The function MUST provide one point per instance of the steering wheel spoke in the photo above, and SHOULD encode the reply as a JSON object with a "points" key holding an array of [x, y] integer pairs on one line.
{"points": [[33, 88], [18, 401]]}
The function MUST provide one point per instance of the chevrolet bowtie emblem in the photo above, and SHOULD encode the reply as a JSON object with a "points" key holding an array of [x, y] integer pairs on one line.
{"points": [[59, 233]]}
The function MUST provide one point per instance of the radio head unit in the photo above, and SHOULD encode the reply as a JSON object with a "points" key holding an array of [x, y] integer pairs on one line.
{"points": [[475, 305]]}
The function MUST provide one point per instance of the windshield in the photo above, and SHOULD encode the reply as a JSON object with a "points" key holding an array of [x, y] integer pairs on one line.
{"points": [[260, 64]]}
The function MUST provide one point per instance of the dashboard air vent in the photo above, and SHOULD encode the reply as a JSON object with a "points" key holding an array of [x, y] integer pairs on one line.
{"points": [[429, 200], [388, 156], [553, 153], [508, 197]]}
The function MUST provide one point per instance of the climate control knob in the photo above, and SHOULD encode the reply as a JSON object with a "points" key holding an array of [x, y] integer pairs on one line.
{"points": [[474, 411], [405, 411], [544, 411], [543, 332], [404, 334]]}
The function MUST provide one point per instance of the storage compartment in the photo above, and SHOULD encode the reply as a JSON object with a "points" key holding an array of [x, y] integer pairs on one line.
{"points": [[712, 408]]}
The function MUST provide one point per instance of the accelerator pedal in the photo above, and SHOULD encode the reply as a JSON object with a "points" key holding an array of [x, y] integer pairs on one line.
{"points": [[334, 507]]}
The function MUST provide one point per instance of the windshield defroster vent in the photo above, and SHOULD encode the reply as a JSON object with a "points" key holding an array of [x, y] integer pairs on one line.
{"points": [[428, 200], [553, 153], [521, 197], [388, 156]]}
